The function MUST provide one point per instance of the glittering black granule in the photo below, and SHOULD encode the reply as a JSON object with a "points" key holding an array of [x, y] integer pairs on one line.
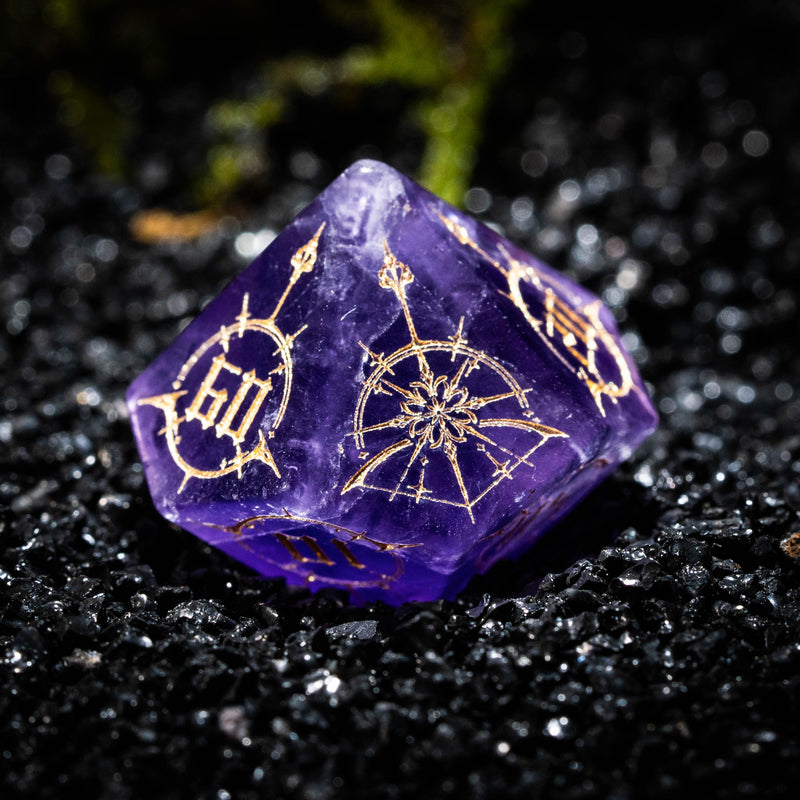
{"points": [[648, 648]]}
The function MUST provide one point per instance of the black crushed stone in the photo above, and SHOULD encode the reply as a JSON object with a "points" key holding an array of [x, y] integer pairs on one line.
{"points": [[650, 647]]}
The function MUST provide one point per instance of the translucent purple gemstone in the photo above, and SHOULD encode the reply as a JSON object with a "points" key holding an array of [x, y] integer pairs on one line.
{"points": [[389, 399]]}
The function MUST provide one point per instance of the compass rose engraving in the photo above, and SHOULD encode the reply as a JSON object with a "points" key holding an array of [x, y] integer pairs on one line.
{"points": [[233, 388], [444, 417], [570, 329]]}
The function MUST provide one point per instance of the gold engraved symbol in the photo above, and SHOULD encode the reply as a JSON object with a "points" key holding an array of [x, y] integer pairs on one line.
{"points": [[207, 419], [316, 550], [230, 397], [570, 329], [430, 406]]}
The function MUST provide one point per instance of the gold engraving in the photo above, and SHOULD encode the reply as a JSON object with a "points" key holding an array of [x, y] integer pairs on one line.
{"points": [[312, 558], [571, 330], [212, 406], [437, 414], [318, 556]]}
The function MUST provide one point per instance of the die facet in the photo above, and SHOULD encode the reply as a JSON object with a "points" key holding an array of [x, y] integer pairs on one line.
{"points": [[388, 400]]}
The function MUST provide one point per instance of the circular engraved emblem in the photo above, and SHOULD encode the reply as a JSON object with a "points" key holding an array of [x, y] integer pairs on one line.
{"points": [[231, 394], [316, 551], [570, 329], [444, 417], [573, 333]]}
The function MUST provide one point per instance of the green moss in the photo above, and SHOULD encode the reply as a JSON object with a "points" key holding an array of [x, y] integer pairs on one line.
{"points": [[95, 120], [451, 61], [452, 124], [447, 57]]}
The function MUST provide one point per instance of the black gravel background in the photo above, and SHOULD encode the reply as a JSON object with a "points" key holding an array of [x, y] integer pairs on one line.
{"points": [[650, 647]]}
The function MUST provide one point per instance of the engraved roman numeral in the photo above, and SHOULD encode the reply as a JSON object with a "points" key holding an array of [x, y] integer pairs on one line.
{"points": [[315, 553]]}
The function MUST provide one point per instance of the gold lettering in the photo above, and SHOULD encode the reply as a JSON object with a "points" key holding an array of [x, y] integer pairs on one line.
{"points": [[348, 554], [318, 555], [575, 334], [249, 379], [572, 327], [219, 396]]}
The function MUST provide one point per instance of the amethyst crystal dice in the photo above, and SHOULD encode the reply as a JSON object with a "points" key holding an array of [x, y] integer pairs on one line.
{"points": [[389, 399]]}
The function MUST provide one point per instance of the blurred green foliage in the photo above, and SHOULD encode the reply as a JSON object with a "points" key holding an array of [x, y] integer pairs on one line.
{"points": [[450, 55], [100, 124], [447, 58]]}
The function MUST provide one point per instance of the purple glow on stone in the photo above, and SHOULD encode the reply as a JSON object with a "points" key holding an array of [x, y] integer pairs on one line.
{"points": [[389, 399]]}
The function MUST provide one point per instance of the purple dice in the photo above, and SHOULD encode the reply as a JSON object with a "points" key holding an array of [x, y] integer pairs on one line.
{"points": [[389, 399]]}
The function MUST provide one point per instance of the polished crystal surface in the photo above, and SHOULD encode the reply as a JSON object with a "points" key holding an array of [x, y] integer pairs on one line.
{"points": [[389, 399]]}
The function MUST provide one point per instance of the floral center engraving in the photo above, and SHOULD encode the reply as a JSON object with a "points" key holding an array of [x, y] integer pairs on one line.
{"points": [[453, 407]]}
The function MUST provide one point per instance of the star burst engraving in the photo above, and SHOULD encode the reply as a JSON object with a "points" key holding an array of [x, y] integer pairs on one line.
{"points": [[453, 408]]}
